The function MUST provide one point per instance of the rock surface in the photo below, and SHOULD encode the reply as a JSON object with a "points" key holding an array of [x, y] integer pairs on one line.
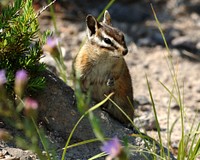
{"points": [[59, 114], [58, 109], [9, 153]]}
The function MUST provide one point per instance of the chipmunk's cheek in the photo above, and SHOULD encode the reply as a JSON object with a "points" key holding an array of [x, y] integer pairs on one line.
{"points": [[116, 54]]}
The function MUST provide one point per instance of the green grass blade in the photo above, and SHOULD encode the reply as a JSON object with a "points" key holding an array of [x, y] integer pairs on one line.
{"points": [[118, 107], [145, 137], [169, 130], [53, 16], [156, 118], [107, 7], [194, 153], [98, 156], [181, 149], [85, 142], [172, 128], [189, 137], [170, 92], [171, 69], [169, 133], [75, 126], [142, 151]]}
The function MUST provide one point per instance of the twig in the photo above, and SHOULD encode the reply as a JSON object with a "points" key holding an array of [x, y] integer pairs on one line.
{"points": [[44, 8]]}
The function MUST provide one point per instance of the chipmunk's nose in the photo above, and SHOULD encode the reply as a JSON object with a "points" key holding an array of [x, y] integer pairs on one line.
{"points": [[125, 51]]}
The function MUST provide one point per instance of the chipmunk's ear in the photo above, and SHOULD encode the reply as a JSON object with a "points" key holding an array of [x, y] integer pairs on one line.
{"points": [[107, 18], [92, 25]]}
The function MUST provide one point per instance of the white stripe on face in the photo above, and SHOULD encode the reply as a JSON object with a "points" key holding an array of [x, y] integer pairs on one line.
{"points": [[99, 40], [115, 43]]}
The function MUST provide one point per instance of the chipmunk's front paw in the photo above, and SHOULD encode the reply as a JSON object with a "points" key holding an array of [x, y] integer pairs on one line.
{"points": [[110, 82]]}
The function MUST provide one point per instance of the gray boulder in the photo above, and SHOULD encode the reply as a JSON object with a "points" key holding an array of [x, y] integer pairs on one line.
{"points": [[57, 108], [59, 114]]}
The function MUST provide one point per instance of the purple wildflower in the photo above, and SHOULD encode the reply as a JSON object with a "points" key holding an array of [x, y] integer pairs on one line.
{"points": [[113, 148], [30, 106], [52, 42], [51, 47], [21, 79], [2, 77], [30, 103], [21, 75]]}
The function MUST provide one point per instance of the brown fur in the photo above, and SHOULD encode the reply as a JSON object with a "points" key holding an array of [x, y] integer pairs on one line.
{"points": [[96, 66]]}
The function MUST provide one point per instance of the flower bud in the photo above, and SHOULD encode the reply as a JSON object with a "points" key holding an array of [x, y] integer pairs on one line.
{"points": [[30, 107], [51, 47], [3, 80], [2, 77], [21, 80]]}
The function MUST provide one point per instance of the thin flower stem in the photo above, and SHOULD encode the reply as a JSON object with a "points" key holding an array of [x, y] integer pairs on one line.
{"points": [[41, 138]]}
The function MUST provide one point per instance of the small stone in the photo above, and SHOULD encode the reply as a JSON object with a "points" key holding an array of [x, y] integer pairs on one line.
{"points": [[4, 152], [146, 65], [176, 52], [1, 154], [146, 122], [145, 42], [184, 42], [142, 100], [198, 90], [198, 45], [175, 106], [15, 152]]}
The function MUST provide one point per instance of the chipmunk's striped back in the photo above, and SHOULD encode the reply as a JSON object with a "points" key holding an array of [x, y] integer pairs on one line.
{"points": [[101, 68]]}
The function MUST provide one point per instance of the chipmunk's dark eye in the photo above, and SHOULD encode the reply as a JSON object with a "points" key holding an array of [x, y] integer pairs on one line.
{"points": [[107, 40]]}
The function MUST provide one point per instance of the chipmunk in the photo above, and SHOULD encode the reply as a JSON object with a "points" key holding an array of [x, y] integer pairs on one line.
{"points": [[101, 68]]}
